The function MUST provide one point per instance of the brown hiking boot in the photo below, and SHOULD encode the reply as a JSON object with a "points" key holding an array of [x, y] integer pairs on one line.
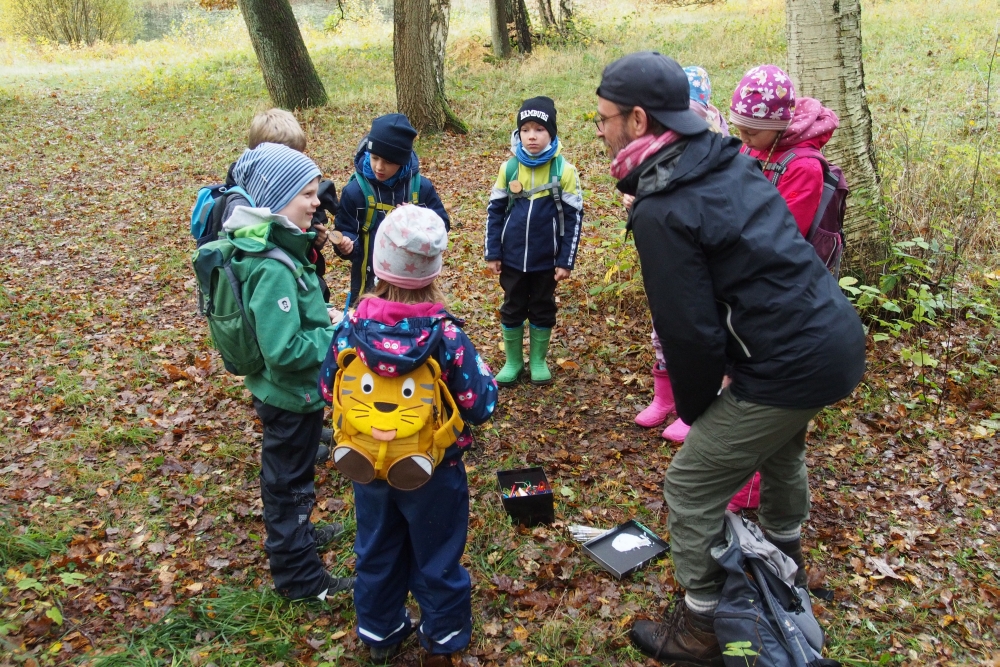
{"points": [[686, 638], [793, 549]]}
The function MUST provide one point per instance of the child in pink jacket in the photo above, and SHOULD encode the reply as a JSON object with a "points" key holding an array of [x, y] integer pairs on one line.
{"points": [[773, 124], [781, 130]]}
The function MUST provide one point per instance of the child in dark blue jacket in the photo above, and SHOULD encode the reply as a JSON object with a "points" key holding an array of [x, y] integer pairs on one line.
{"points": [[387, 175], [532, 234], [408, 540]]}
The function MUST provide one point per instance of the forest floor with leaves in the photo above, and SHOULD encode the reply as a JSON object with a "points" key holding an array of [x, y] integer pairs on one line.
{"points": [[130, 527]]}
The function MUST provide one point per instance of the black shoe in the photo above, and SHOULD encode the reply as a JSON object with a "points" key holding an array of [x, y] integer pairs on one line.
{"points": [[326, 534], [338, 584], [383, 655], [326, 436], [322, 454]]}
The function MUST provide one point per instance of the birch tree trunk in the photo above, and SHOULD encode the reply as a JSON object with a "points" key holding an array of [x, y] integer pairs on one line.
{"points": [[546, 15], [418, 94], [565, 14], [291, 79], [498, 28], [440, 16], [824, 57]]}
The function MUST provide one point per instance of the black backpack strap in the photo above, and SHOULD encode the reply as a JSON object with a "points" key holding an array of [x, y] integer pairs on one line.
{"points": [[778, 169]]}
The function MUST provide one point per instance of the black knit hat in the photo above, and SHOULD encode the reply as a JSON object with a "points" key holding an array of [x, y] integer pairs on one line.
{"points": [[541, 110], [391, 138]]}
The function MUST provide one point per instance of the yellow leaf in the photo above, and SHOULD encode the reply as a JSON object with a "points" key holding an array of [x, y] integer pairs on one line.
{"points": [[55, 648], [102, 492], [195, 587], [520, 634], [339, 634]]}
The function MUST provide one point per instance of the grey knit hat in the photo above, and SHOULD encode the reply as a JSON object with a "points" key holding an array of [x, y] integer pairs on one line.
{"points": [[272, 174]]}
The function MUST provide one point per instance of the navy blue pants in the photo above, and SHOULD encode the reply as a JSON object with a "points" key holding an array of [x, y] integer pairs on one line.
{"points": [[413, 541], [287, 469]]}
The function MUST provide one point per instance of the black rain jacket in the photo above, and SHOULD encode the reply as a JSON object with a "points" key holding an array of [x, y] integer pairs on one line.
{"points": [[731, 283]]}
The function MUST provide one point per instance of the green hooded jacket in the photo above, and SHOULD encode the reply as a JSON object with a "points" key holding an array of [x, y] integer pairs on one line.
{"points": [[292, 325]]}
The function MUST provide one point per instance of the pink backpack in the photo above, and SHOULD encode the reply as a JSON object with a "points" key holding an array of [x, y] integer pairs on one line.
{"points": [[826, 233]]}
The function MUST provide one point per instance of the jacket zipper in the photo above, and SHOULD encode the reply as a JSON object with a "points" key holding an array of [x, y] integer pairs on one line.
{"points": [[729, 325], [527, 223]]}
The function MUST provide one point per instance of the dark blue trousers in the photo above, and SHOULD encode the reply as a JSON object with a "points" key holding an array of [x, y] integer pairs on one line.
{"points": [[287, 469], [413, 541]]}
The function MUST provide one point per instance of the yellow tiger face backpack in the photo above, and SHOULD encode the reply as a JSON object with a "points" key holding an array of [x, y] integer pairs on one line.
{"points": [[391, 428]]}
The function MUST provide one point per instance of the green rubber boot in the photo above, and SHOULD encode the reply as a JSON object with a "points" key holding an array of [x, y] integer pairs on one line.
{"points": [[513, 343], [539, 339]]}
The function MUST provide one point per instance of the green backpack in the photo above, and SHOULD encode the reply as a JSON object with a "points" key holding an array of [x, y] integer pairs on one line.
{"points": [[371, 205], [554, 184], [220, 300]]}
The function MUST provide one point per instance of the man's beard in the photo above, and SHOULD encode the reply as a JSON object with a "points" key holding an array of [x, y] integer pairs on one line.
{"points": [[619, 143]]}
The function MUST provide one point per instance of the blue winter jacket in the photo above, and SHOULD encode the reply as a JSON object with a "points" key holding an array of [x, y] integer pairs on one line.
{"points": [[527, 236], [401, 337], [351, 216]]}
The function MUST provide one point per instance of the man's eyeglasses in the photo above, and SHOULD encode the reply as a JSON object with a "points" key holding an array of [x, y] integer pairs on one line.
{"points": [[599, 121]]}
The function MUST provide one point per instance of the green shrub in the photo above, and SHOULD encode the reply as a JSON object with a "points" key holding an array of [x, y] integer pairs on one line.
{"points": [[68, 21]]}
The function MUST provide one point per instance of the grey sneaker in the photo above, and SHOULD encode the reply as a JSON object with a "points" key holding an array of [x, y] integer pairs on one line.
{"points": [[325, 534], [338, 584], [322, 454], [326, 436]]}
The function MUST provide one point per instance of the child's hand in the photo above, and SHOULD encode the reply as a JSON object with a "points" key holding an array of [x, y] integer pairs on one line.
{"points": [[346, 246], [321, 236], [627, 200], [494, 266], [561, 273]]}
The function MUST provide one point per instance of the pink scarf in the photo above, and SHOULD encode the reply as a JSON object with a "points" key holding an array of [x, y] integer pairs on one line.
{"points": [[639, 150]]}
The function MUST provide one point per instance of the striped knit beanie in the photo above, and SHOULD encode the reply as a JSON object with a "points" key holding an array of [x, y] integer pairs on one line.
{"points": [[272, 174]]}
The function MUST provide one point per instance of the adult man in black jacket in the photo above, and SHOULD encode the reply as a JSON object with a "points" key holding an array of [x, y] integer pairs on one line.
{"points": [[733, 289]]}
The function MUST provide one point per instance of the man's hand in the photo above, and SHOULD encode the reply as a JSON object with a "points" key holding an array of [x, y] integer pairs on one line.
{"points": [[321, 236], [494, 266], [561, 273], [627, 200], [346, 246]]}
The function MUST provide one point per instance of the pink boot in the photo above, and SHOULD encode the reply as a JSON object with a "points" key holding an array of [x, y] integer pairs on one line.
{"points": [[748, 497], [677, 431], [663, 401]]}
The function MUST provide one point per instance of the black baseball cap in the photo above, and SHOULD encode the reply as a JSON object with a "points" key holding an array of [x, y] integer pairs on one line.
{"points": [[657, 84]]}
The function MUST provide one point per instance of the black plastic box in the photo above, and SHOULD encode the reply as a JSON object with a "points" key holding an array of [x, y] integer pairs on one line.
{"points": [[527, 510], [622, 563]]}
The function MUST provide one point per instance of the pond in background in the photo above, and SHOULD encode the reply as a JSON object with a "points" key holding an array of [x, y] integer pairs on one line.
{"points": [[157, 19]]}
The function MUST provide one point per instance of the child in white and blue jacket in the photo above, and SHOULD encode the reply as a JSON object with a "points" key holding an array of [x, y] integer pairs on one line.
{"points": [[413, 541], [533, 229]]}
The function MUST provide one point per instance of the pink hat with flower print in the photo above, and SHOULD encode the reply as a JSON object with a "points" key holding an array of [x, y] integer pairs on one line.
{"points": [[408, 247], [764, 99]]}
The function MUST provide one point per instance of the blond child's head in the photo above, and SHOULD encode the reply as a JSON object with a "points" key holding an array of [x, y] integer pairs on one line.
{"points": [[407, 256], [276, 126]]}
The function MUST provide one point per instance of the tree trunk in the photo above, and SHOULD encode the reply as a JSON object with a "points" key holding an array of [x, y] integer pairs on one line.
{"points": [[545, 14], [517, 13], [417, 92], [288, 71], [498, 28], [439, 18], [565, 14], [824, 57]]}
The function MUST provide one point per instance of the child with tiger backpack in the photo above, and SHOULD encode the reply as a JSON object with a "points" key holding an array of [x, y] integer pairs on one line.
{"points": [[405, 381], [387, 174], [533, 226]]}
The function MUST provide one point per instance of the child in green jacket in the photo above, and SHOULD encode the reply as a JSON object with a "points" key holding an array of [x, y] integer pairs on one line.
{"points": [[284, 303]]}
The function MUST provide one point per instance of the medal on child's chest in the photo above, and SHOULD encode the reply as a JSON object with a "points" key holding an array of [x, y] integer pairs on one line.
{"points": [[515, 186]]}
